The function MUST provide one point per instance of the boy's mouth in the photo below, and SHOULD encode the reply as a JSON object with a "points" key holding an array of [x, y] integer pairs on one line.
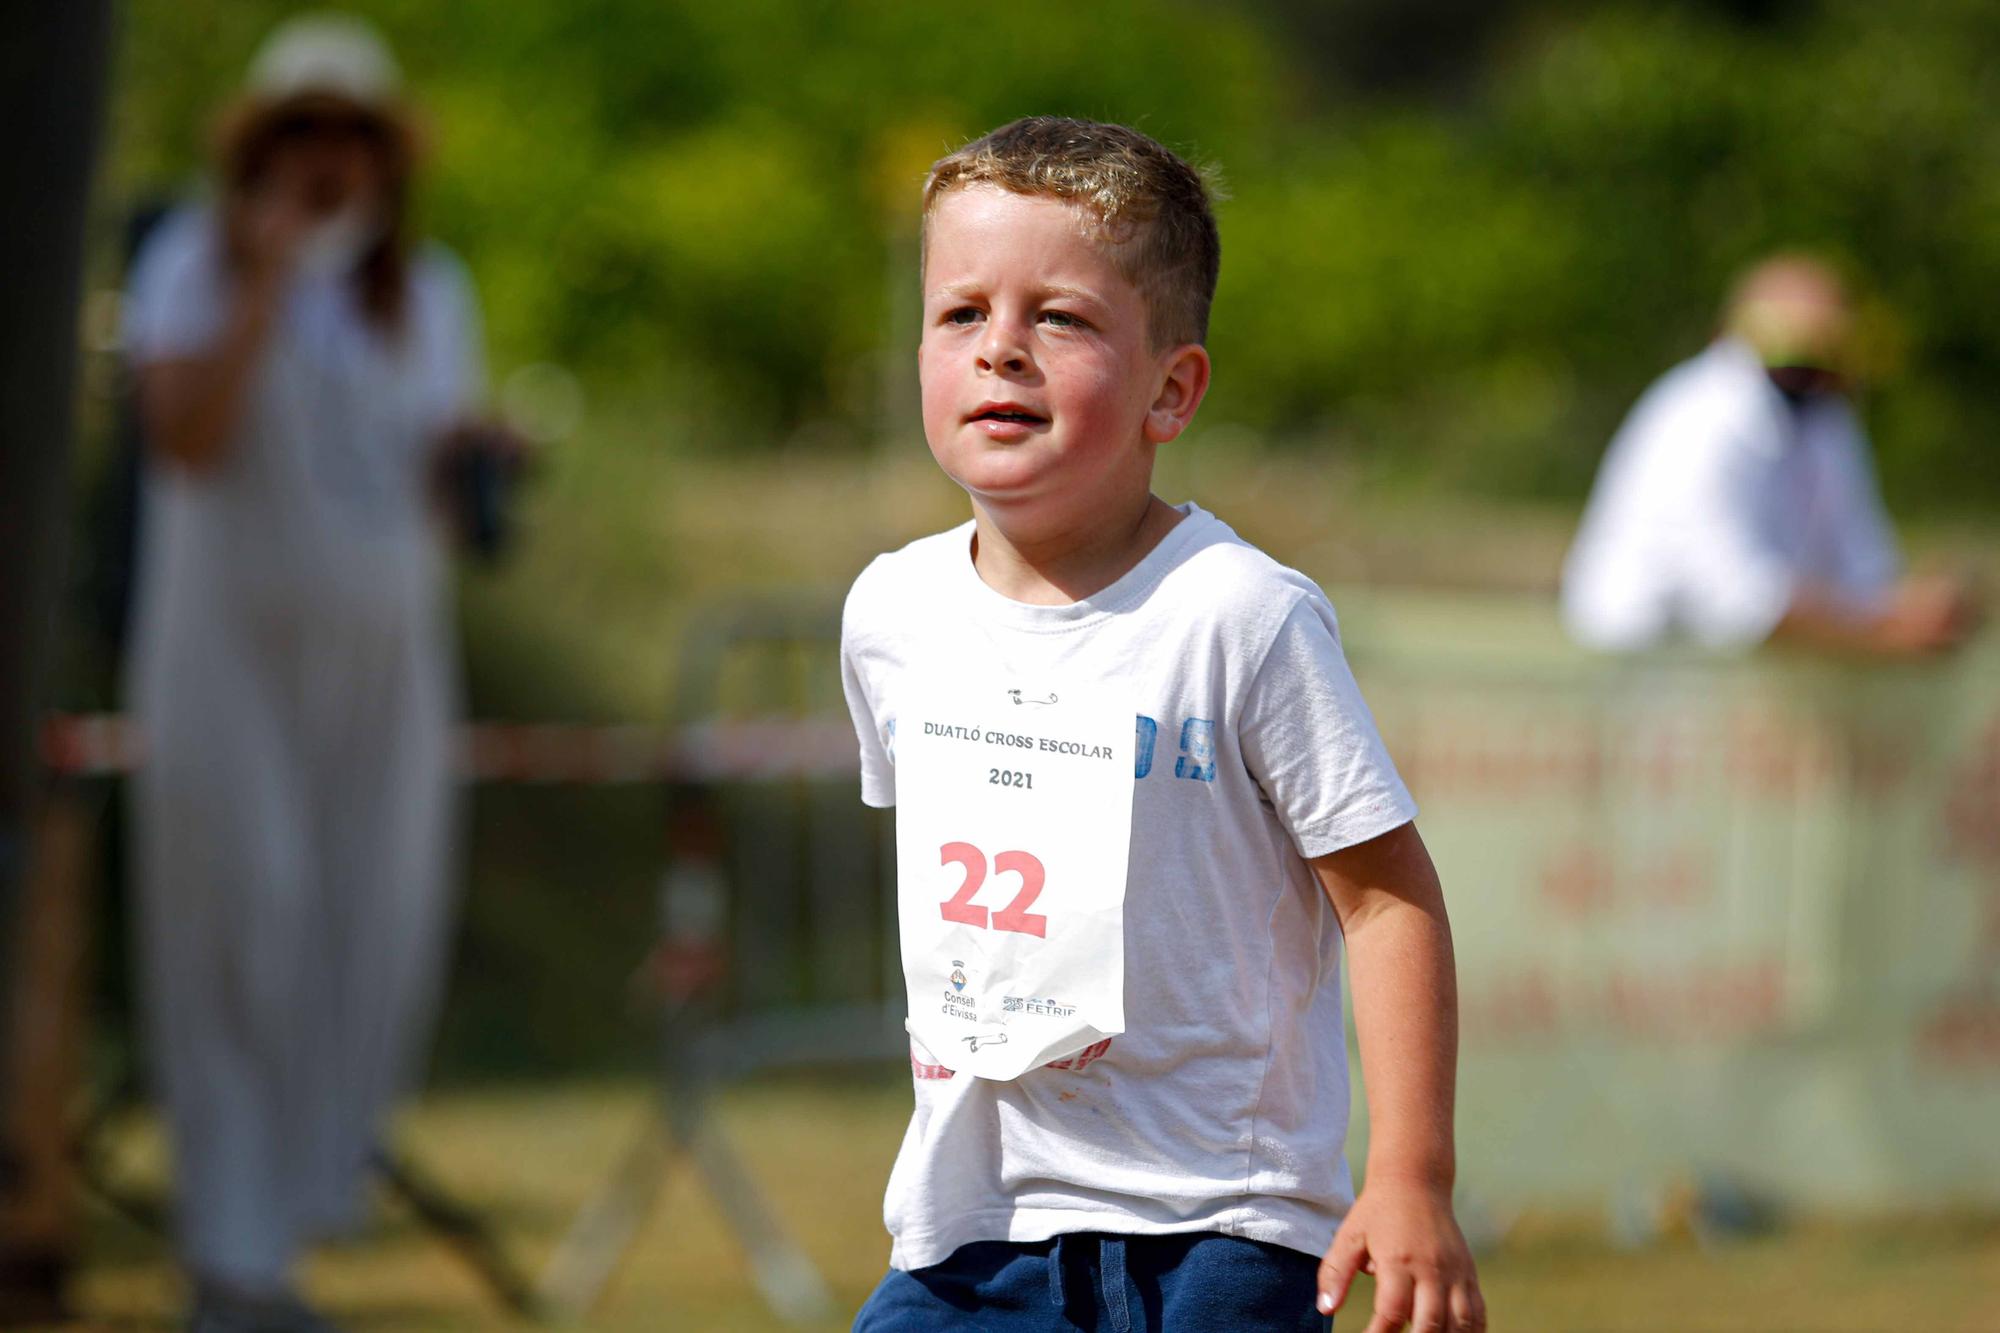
{"points": [[1008, 414]]}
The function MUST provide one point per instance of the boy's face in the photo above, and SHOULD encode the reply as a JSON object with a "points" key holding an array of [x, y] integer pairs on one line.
{"points": [[1040, 384]]}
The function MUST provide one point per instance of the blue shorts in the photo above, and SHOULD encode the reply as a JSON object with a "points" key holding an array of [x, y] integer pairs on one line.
{"points": [[1196, 1283]]}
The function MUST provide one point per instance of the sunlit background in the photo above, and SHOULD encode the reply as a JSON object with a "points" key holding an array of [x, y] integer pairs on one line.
{"points": [[1732, 972]]}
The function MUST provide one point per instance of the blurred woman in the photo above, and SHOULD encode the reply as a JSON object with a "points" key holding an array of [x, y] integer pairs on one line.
{"points": [[301, 365]]}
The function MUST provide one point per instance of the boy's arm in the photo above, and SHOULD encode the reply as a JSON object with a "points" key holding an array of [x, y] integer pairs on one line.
{"points": [[1385, 892]]}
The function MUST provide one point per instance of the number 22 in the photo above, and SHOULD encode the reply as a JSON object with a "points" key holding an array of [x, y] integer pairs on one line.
{"points": [[1015, 916]]}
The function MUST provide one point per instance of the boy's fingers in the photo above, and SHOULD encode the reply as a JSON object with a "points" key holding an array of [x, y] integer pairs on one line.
{"points": [[1337, 1270], [1393, 1301], [1431, 1309], [1468, 1308]]}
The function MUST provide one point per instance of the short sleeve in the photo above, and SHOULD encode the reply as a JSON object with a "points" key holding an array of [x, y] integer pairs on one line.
{"points": [[1867, 560], [1311, 743], [174, 302], [453, 347], [860, 672]]}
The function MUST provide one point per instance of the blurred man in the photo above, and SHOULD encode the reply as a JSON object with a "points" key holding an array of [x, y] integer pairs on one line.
{"points": [[1738, 501]]}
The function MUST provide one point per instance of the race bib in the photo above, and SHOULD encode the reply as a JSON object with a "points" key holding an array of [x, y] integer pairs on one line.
{"points": [[1013, 826]]}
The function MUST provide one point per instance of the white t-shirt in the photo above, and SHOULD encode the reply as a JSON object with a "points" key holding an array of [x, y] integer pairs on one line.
{"points": [[1223, 1105], [1714, 502]]}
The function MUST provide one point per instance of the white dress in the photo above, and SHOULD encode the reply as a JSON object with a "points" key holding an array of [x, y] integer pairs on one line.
{"points": [[1715, 502], [293, 674]]}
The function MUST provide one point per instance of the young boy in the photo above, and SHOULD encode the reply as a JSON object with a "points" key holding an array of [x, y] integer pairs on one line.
{"points": [[1123, 941]]}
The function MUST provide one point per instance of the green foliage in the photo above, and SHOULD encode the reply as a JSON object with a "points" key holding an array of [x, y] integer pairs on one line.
{"points": [[1683, 145], [712, 206]]}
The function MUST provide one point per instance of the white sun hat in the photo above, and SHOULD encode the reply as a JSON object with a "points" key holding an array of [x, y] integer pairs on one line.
{"points": [[315, 56], [325, 54]]}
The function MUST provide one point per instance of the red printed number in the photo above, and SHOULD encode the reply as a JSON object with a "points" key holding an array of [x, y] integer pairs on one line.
{"points": [[960, 907], [1015, 916]]}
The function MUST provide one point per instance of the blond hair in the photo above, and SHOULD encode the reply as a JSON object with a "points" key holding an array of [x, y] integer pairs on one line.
{"points": [[1151, 206]]}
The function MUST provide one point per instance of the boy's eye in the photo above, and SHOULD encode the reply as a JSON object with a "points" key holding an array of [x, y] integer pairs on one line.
{"points": [[964, 314], [1062, 319]]}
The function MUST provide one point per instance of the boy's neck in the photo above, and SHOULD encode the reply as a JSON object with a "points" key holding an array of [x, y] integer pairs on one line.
{"points": [[1066, 561]]}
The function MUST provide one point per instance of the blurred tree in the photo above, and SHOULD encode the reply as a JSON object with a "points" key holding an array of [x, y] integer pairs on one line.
{"points": [[1461, 237], [53, 63], [1433, 47]]}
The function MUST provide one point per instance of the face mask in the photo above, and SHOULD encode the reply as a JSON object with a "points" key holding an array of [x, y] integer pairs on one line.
{"points": [[333, 247], [1804, 385]]}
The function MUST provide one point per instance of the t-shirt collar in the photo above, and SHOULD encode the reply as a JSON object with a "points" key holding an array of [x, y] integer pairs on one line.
{"points": [[1122, 594]]}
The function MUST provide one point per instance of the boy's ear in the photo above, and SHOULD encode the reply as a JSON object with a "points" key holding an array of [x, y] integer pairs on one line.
{"points": [[1181, 392]]}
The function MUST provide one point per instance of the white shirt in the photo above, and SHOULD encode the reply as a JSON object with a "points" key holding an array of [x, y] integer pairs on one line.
{"points": [[321, 489], [1223, 1105], [1715, 502]]}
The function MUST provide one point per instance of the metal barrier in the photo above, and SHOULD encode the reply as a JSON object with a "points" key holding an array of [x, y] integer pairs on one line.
{"points": [[778, 933], [763, 826]]}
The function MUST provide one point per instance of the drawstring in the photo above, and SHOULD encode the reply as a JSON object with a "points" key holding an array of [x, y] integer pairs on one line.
{"points": [[1111, 1278], [1111, 1283]]}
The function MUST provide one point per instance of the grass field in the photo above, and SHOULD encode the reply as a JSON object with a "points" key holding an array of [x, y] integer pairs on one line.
{"points": [[529, 1156]]}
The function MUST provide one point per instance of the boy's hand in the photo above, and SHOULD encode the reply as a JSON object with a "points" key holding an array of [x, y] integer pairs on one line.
{"points": [[1424, 1278]]}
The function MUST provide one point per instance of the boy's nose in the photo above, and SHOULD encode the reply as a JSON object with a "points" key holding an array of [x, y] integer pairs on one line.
{"points": [[1002, 350]]}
